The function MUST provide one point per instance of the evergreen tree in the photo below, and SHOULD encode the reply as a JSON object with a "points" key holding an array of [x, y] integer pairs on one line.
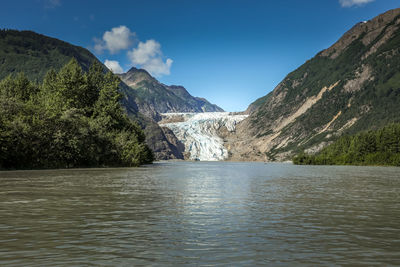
{"points": [[72, 119], [381, 147]]}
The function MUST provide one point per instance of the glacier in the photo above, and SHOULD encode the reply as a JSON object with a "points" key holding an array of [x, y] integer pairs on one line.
{"points": [[200, 132]]}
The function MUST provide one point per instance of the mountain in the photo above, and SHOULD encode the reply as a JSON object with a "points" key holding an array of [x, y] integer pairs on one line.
{"points": [[350, 87], [153, 97], [35, 54]]}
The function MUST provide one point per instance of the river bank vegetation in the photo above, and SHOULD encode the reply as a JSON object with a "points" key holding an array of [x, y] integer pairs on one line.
{"points": [[381, 147], [71, 119]]}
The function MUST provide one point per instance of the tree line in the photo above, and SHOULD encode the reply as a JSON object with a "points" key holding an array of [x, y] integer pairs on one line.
{"points": [[380, 147], [71, 119]]}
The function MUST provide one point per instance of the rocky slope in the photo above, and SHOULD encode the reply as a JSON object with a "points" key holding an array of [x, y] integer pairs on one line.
{"points": [[352, 86], [153, 97]]}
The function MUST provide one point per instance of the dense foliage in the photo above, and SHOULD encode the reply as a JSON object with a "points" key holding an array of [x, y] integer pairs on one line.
{"points": [[72, 119], [381, 147]]}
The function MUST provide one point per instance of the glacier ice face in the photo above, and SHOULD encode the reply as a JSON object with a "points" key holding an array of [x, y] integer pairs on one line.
{"points": [[199, 133]]}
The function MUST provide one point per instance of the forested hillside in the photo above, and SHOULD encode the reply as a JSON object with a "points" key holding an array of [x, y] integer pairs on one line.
{"points": [[381, 147], [71, 119], [34, 54]]}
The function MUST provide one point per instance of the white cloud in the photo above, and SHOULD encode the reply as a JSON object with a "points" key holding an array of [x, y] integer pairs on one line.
{"points": [[148, 55], [114, 66], [119, 38], [350, 3]]}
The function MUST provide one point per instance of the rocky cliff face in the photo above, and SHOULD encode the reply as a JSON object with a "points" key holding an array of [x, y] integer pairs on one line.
{"points": [[153, 97], [350, 87]]}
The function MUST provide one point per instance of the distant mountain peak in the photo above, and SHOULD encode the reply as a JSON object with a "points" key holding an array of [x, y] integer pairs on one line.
{"points": [[134, 76], [155, 97], [133, 69]]}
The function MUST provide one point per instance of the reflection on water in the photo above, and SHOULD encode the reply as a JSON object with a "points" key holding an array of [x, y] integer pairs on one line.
{"points": [[201, 214]]}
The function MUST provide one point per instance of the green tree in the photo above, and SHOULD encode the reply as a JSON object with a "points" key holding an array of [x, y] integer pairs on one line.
{"points": [[72, 119], [381, 147]]}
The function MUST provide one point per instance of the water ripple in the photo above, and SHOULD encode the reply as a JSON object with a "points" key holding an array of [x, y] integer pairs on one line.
{"points": [[201, 214]]}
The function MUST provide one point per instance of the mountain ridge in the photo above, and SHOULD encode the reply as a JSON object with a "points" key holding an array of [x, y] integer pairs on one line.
{"points": [[154, 97]]}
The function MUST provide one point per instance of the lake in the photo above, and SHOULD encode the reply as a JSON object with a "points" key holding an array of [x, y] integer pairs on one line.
{"points": [[201, 213]]}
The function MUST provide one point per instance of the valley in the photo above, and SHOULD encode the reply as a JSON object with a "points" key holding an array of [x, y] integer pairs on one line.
{"points": [[349, 88], [200, 133]]}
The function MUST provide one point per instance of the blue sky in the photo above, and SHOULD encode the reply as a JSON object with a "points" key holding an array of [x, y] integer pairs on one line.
{"points": [[228, 51]]}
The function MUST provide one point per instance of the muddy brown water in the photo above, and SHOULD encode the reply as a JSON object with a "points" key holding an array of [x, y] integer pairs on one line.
{"points": [[201, 214]]}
